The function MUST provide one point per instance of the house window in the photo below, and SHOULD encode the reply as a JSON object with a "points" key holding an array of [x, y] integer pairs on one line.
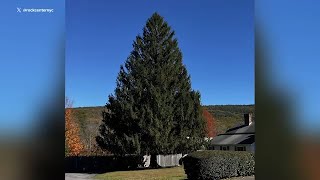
{"points": [[224, 148], [240, 148]]}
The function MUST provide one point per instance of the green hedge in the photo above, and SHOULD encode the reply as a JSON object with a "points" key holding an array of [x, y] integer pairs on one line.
{"points": [[218, 164]]}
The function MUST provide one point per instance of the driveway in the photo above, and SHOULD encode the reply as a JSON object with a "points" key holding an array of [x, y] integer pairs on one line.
{"points": [[78, 176], [241, 178]]}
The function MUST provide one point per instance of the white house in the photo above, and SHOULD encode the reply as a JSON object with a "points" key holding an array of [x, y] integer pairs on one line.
{"points": [[241, 138]]}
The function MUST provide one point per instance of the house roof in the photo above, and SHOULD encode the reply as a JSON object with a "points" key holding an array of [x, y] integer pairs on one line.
{"points": [[233, 139], [238, 135], [242, 129]]}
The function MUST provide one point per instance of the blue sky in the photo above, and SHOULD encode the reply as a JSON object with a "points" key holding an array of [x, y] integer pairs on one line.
{"points": [[31, 50], [216, 39]]}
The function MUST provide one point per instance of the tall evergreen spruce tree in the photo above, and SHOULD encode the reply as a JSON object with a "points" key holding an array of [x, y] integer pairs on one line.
{"points": [[154, 110]]}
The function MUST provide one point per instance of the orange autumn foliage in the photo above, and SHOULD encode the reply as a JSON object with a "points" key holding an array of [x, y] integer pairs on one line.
{"points": [[72, 139], [210, 124]]}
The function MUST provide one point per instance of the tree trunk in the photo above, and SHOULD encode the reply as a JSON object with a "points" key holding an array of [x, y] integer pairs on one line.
{"points": [[153, 161]]}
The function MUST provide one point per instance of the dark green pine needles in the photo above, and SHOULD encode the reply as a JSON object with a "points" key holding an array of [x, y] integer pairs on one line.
{"points": [[153, 109]]}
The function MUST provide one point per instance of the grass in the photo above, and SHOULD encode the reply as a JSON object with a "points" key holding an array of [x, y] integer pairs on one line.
{"points": [[173, 173]]}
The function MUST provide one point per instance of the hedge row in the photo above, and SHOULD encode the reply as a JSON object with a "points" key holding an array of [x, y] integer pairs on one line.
{"points": [[218, 164], [100, 164]]}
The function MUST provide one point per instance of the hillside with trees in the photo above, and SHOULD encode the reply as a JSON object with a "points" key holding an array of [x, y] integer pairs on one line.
{"points": [[229, 116], [89, 119]]}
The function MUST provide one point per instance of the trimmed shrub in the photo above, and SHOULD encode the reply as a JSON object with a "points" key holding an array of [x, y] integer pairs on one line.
{"points": [[218, 164]]}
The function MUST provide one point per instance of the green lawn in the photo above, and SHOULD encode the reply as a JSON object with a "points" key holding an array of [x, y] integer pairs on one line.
{"points": [[174, 173]]}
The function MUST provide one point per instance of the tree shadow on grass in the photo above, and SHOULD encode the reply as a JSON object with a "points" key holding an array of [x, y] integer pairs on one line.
{"points": [[101, 164]]}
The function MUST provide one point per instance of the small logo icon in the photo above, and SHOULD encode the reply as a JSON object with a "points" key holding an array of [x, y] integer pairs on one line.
{"points": [[19, 10]]}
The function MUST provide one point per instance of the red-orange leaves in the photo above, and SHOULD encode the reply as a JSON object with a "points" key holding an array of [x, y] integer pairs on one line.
{"points": [[210, 124], [72, 139]]}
